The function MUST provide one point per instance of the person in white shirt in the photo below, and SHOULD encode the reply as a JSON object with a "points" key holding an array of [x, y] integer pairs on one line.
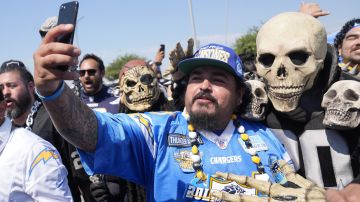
{"points": [[31, 168]]}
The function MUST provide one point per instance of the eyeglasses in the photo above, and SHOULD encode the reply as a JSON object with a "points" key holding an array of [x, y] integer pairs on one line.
{"points": [[90, 72]]}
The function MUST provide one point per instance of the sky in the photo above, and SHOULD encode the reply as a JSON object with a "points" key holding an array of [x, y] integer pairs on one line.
{"points": [[112, 28]]}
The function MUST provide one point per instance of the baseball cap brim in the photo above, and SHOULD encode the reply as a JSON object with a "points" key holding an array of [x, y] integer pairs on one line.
{"points": [[188, 65]]}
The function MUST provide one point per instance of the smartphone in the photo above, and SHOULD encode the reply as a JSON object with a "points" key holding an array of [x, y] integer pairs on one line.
{"points": [[162, 47], [68, 15]]}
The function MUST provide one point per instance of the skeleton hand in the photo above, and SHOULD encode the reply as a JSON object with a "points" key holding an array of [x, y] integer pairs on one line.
{"points": [[178, 54], [296, 189]]}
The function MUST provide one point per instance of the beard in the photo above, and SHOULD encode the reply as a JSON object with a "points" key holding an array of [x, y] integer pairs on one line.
{"points": [[204, 120], [20, 106]]}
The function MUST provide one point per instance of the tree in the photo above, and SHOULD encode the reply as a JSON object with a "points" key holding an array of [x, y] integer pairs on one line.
{"points": [[247, 43], [113, 69]]}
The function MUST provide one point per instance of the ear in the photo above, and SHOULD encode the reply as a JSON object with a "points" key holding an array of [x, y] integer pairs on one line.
{"points": [[240, 93], [339, 50], [102, 73], [31, 86]]}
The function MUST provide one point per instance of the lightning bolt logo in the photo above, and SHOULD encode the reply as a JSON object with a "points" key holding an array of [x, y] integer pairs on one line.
{"points": [[145, 122], [44, 156]]}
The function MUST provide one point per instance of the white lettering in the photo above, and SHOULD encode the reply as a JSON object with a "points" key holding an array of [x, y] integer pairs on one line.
{"points": [[225, 159], [214, 54], [199, 193], [190, 191], [206, 195]]}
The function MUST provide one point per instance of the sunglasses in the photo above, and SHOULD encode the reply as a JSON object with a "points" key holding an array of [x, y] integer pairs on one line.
{"points": [[90, 72]]}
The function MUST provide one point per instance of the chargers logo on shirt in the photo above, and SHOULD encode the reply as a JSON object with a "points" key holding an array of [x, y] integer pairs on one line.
{"points": [[44, 156], [144, 122], [215, 183]]}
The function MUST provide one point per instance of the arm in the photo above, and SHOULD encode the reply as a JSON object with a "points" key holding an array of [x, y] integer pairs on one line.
{"points": [[73, 119], [157, 63]]}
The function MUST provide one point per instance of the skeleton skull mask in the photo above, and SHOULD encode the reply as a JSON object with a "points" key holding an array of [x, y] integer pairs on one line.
{"points": [[255, 109], [342, 104], [291, 48], [139, 88]]}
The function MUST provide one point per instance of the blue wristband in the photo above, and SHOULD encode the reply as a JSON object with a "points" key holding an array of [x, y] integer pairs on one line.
{"points": [[55, 95]]}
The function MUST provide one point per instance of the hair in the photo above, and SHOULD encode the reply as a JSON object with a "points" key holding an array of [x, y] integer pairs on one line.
{"points": [[248, 61], [1, 96], [96, 58], [345, 29], [15, 65]]}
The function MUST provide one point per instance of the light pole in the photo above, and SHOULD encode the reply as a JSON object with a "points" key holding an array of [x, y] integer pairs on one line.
{"points": [[76, 30], [193, 25]]}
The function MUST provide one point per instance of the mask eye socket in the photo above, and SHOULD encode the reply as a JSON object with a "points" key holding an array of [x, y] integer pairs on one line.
{"points": [[351, 95], [260, 93], [146, 79], [331, 94], [130, 83], [298, 57], [267, 59]]}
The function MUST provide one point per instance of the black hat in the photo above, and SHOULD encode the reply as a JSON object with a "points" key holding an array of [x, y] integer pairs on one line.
{"points": [[12, 63]]}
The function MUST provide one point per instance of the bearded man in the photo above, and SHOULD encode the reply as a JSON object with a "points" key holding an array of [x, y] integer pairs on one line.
{"points": [[172, 156], [21, 153], [347, 43], [26, 110]]}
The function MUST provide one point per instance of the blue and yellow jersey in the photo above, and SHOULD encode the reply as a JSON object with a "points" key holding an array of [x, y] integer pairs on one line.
{"points": [[154, 150]]}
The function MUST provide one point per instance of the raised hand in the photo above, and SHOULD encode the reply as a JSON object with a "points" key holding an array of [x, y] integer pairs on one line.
{"points": [[178, 54], [49, 56]]}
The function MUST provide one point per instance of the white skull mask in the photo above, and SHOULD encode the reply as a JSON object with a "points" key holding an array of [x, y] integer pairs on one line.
{"points": [[255, 109], [342, 104], [139, 88], [291, 48]]}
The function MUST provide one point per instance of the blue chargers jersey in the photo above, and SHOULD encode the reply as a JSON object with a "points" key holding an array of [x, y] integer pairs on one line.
{"points": [[153, 149]]}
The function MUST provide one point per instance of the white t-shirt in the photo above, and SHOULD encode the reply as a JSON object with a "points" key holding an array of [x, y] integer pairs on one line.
{"points": [[30, 168]]}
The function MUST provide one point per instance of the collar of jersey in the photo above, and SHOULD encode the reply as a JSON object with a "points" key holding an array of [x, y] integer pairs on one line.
{"points": [[224, 137]]}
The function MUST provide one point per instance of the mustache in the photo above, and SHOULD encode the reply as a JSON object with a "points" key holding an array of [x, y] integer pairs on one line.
{"points": [[357, 47], [9, 99], [206, 95]]}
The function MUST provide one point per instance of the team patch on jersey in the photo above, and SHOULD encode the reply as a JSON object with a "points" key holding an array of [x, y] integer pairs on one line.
{"points": [[219, 184], [179, 140], [256, 142], [44, 156], [183, 157]]}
